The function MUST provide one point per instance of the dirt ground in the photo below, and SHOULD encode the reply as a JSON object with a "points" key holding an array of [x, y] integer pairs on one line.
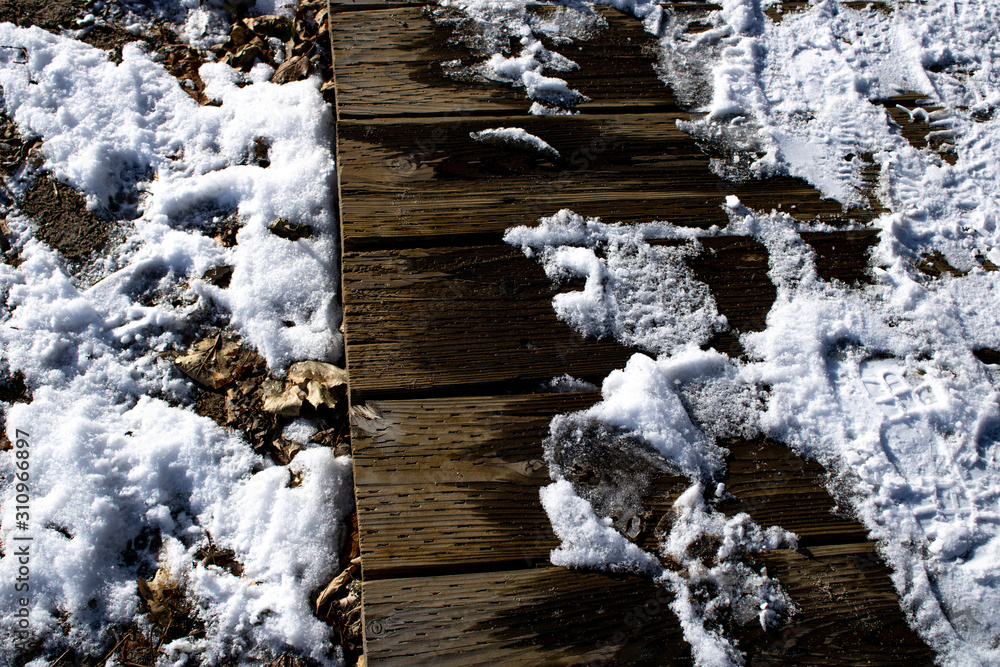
{"points": [[48, 14]]}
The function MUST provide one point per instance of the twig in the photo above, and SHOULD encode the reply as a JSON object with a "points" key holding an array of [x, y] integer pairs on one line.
{"points": [[22, 50], [64, 652], [170, 621], [111, 652]]}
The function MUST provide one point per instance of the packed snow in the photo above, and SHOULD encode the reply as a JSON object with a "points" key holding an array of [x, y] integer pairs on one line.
{"points": [[877, 382], [124, 480]]}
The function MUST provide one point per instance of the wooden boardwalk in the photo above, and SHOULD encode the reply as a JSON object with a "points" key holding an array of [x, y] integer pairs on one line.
{"points": [[450, 333]]}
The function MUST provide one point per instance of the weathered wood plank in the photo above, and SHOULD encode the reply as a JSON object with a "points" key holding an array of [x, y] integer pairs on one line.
{"points": [[389, 63], [849, 616], [843, 255], [428, 178], [454, 482], [419, 320], [848, 612], [369, 5], [544, 616]]}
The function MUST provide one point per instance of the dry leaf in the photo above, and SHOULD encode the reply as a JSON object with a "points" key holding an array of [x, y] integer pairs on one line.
{"points": [[338, 583], [328, 375], [280, 400], [270, 25], [319, 395], [240, 35], [295, 68], [163, 596], [210, 362]]}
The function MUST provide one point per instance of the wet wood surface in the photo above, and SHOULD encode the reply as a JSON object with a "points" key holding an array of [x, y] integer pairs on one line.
{"points": [[451, 339], [849, 615], [453, 483], [429, 178]]}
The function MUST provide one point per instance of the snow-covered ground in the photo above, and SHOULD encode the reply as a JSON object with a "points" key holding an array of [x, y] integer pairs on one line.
{"points": [[878, 382], [108, 463]]}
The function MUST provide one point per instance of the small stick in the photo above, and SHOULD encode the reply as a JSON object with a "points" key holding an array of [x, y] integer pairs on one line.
{"points": [[127, 635], [59, 658]]}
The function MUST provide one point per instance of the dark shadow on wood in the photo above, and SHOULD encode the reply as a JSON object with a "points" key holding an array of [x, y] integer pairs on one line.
{"points": [[459, 318]]}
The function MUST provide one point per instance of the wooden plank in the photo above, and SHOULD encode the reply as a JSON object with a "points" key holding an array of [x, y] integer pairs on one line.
{"points": [[544, 616], [389, 63], [843, 255], [848, 612], [453, 482], [849, 616], [419, 320], [428, 178], [446, 318], [368, 5]]}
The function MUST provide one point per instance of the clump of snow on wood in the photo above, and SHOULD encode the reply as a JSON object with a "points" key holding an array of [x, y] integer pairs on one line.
{"points": [[117, 469], [515, 137], [496, 26], [641, 295]]}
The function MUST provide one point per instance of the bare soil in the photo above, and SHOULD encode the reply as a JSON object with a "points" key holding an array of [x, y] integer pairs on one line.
{"points": [[63, 220], [48, 14]]}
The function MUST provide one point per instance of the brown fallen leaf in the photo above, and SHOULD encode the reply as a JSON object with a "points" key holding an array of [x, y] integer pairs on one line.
{"points": [[318, 395], [270, 25], [210, 362], [338, 583], [328, 375], [163, 597], [280, 399], [295, 68]]}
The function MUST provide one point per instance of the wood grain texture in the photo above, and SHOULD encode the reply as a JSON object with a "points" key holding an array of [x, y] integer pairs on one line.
{"points": [[426, 178], [848, 616], [848, 612], [453, 482], [544, 616], [843, 255], [389, 63], [453, 317]]}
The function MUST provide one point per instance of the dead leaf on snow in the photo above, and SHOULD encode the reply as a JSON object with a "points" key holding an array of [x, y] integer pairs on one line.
{"points": [[211, 362], [280, 399], [290, 230], [221, 558], [338, 583], [164, 597], [270, 25], [295, 68], [328, 375]]}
